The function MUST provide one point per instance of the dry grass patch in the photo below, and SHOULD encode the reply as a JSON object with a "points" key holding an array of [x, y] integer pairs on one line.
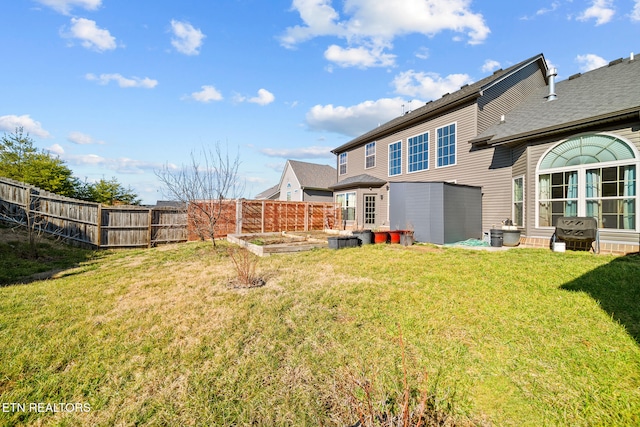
{"points": [[157, 337]]}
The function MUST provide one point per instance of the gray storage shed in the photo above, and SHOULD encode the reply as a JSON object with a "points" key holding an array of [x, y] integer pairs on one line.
{"points": [[438, 212]]}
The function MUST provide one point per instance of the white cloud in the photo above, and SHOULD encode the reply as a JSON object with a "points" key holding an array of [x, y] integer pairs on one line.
{"points": [[635, 14], [354, 120], [10, 123], [361, 57], [313, 152], [82, 139], [65, 6], [374, 24], [590, 62], [543, 11], [56, 149], [601, 10], [123, 82], [91, 36], [207, 94], [428, 85], [123, 165], [187, 39], [264, 98], [422, 53], [490, 65]]}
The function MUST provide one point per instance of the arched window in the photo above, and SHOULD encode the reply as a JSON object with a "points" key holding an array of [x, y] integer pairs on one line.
{"points": [[589, 175]]}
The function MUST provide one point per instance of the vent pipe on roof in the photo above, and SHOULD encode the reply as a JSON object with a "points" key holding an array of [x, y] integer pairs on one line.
{"points": [[631, 57], [551, 74]]}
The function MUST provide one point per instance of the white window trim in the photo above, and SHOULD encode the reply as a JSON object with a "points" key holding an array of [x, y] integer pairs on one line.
{"points": [[346, 159], [436, 146], [375, 148], [389, 158], [524, 200], [355, 206], [581, 169], [428, 152]]}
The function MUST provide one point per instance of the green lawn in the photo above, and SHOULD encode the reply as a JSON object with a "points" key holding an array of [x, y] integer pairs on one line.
{"points": [[158, 337]]}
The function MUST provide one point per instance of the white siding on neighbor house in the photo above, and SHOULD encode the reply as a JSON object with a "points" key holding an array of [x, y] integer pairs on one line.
{"points": [[536, 151], [288, 177]]}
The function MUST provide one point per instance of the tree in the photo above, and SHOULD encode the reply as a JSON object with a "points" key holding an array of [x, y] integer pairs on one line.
{"points": [[108, 192], [204, 187], [22, 161]]}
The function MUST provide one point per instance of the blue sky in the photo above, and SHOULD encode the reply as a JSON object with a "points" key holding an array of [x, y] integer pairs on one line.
{"points": [[119, 88]]}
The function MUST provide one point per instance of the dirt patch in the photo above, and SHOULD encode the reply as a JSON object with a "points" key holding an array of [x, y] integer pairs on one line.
{"points": [[9, 234]]}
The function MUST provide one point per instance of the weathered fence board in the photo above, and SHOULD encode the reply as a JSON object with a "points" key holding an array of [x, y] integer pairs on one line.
{"points": [[90, 223], [135, 226]]}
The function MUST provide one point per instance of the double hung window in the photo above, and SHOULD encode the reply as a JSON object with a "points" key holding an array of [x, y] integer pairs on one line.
{"points": [[342, 163], [418, 147], [446, 145], [370, 155], [395, 158]]}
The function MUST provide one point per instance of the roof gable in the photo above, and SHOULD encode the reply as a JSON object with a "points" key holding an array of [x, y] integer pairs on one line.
{"points": [[312, 175], [603, 94]]}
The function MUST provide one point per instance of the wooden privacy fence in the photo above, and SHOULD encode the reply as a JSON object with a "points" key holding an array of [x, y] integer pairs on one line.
{"points": [[135, 226], [266, 216], [87, 222]]}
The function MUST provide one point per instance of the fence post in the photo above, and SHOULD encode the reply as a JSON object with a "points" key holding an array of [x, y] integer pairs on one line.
{"points": [[262, 216], [150, 219], [238, 216], [99, 226]]}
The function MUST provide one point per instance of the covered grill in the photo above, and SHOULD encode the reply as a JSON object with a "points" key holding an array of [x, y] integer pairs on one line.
{"points": [[576, 229]]}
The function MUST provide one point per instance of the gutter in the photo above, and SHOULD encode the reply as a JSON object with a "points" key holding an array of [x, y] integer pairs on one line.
{"points": [[402, 124]]}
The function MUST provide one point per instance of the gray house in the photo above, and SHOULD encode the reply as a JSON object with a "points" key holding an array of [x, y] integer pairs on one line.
{"points": [[537, 149], [303, 182]]}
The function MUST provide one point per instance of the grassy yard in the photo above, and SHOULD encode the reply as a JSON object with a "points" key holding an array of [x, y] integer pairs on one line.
{"points": [[158, 337]]}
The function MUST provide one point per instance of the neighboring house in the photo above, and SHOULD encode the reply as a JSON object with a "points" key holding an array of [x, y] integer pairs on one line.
{"points": [[272, 193], [303, 182], [538, 150]]}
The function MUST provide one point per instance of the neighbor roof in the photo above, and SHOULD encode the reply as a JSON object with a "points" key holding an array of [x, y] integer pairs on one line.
{"points": [[269, 192], [313, 175], [603, 95], [433, 108]]}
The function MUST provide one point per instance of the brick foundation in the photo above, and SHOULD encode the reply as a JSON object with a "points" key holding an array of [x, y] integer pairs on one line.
{"points": [[605, 247]]}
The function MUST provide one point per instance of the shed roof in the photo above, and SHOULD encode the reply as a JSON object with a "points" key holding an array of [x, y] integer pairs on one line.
{"points": [[441, 105], [603, 95]]}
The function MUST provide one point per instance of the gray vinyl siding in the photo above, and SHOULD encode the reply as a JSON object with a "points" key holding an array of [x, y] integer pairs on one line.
{"points": [[505, 95], [488, 168], [535, 151], [310, 195]]}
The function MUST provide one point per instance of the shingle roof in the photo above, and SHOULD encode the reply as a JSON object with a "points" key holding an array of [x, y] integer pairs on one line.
{"points": [[601, 95], [432, 108], [363, 180], [313, 175], [269, 192]]}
